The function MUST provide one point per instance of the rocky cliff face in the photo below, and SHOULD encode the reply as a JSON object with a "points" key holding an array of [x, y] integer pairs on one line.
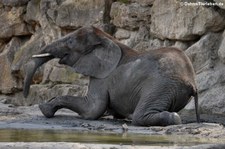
{"points": [[28, 25]]}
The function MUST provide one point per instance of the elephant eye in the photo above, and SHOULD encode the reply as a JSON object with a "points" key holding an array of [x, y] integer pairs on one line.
{"points": [[70, 43]]}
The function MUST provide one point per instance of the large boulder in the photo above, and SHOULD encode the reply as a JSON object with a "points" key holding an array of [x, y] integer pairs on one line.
{"points": [[66, 14], [212, 101], [221, 51], [11, 22], [171, 20], [210, 78], [203, 53], [130, 16], [132, 38], [204, 57], [2, 45], [210, 73], [143, 2], [33, 12], [141, 40], [8, 82], [14, 3], [74, 14], [37, 16], [54, 72]]}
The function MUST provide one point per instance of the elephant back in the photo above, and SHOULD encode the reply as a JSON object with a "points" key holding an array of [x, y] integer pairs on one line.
{"points": [[176, 65]]}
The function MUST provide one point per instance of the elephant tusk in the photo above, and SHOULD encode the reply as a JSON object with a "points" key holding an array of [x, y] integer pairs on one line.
{"points": [[41, 55]]}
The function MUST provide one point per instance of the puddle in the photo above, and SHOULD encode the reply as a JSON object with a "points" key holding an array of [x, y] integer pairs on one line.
{"points": [[25, 135]]}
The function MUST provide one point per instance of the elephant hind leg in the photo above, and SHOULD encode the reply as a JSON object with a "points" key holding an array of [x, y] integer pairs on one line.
{"points": [[153, 109], [154, 116], [164, 118]]}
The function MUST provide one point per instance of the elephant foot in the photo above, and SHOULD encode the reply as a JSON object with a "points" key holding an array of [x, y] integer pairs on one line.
{"points": [[47, 110], [170, 118], [177, 119], [164, 118]]}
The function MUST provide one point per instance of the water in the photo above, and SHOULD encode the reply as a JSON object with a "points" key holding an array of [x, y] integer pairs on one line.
{"points": [[26, 135]]}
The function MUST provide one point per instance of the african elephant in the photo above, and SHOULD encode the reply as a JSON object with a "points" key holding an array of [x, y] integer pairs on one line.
{"points": [[148, 88]]}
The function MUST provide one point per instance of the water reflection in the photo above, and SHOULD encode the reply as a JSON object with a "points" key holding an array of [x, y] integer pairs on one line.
{"points": [[24, 135]]}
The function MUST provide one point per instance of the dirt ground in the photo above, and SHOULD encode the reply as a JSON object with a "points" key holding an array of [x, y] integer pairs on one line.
{"points": [[12, 117]]}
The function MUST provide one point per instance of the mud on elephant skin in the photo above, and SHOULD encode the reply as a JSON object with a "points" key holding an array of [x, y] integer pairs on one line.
{"points": [[148, 88]]}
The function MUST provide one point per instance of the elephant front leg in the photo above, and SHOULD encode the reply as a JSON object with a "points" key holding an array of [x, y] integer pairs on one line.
{"points": [[86, 108], [91, 106]]}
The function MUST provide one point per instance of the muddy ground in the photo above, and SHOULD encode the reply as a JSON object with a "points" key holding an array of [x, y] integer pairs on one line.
{"points": [[211, 131]]}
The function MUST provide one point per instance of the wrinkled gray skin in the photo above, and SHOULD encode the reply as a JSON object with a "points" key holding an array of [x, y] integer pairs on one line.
{"points": [[148, 88]]}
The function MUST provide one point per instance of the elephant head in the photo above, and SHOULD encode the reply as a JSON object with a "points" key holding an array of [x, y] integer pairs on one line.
{"points": [[87, 50]]}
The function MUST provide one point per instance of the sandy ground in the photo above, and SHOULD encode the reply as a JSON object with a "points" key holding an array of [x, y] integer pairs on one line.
{"points": [[212, 134]]}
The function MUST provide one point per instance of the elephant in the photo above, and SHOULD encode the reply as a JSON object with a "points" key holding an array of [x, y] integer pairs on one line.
{"points": [[149, 88]]}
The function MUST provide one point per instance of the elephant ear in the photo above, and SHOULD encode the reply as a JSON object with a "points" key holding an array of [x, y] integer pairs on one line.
{"points": [[101, 61]]}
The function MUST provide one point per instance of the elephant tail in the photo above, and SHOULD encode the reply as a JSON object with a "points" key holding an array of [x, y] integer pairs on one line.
{"points": [[196, 107]]}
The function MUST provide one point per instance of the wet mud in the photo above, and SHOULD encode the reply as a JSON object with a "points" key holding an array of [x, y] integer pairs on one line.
{"points": [[25, 120]]}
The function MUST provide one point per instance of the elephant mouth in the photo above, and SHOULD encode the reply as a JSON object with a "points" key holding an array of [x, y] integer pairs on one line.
{"points": [[64, 59]]}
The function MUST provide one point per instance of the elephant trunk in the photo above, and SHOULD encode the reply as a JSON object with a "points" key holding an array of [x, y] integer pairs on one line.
{"points": [[31, 68]]}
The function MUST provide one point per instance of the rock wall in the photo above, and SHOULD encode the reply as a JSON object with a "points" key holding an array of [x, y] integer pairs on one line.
{"points": [[28, 25]]}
